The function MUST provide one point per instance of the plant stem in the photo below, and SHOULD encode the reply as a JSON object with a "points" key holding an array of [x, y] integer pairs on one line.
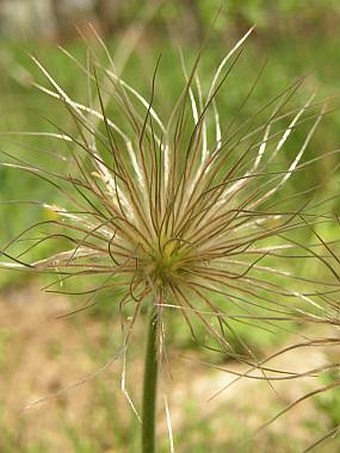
{"points": [[150, 385]]}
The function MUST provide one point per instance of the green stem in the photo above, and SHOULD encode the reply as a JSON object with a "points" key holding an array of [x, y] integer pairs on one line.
{"points": [[150, 385]]}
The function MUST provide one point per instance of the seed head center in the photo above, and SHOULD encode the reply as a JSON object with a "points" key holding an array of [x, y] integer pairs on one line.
{"points": [[166, 263]]}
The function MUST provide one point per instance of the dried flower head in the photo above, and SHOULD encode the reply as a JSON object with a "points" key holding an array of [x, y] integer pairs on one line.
{"points": [[192, 213]]}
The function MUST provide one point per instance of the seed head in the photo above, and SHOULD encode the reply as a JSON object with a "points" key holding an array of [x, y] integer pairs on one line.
{"points": [[196, 207]]}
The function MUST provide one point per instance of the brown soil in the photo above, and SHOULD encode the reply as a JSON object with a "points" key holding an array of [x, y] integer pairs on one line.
{"points": [[46, 384]]}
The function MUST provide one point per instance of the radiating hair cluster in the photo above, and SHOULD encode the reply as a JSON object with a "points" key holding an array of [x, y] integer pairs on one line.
{"points": [[192, 212]]}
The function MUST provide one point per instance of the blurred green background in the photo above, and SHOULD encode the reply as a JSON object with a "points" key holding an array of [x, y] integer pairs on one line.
{"points": [[299, 38]]}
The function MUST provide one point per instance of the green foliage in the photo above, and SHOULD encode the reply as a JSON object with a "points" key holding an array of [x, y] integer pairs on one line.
{"points": [[269, 16], [328, 403]]}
